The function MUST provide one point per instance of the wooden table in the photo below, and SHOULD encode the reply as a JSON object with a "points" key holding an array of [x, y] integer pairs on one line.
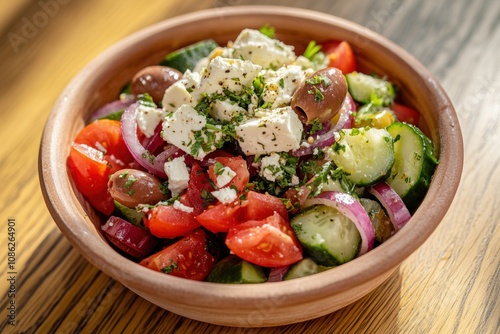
{"points": [[450, 285]]}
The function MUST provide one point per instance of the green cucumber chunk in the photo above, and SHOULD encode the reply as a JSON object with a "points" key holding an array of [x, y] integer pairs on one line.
{"points": [[365, 89], [233, 269], [187, 57], [415, 163], [129, 214], [304, 267], [329, 237], [365, 154]]}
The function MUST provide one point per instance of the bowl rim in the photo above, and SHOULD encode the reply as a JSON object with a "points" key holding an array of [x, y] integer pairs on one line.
{"points": [[68, 213]]}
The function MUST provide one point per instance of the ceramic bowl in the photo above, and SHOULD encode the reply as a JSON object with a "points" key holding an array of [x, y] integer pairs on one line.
{"points": [[266, 304]]}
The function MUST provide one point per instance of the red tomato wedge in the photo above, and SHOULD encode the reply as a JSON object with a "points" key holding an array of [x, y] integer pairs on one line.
{"points": [[199, 188], [260, 206], [106, 136], [98, 151], [270, 242], [405, 114], [167, 221], [89, 169], [186, 258], [341, 55], [237, 165], [221, 217], [90, 172]]}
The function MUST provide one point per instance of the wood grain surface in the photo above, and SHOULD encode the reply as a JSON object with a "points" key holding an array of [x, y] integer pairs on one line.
{"points": [[450, 285]]}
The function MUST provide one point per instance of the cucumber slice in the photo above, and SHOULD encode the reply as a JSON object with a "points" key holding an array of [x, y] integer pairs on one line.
{"points": [[304, 267], [365, 89], [415, 163], [129, 214], [365, 154], [188, 57], [232, 269], [329, 237]]}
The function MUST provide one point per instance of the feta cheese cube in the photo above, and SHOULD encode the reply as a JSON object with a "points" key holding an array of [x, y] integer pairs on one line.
{"points": [[185, 128], [224, 110], [281, 84], [148, 119], [259, 49], [175, 96], [178, 175], [276, 130], [231, 74], [225, 195], [181, 91]]}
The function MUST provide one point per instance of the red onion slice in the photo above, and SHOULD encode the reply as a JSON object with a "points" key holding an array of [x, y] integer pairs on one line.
{"points": [[131, 239], [352, 209], [393, 204], [144, 157], [113, 107], [346, 117], [276, 274], [151, 144]]}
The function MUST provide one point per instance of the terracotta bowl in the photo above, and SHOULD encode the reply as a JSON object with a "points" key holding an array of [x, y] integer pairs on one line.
{"points": [[265, 304]]}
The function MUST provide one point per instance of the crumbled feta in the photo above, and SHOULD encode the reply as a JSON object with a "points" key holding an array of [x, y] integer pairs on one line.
{"points": [[225, 195], [224, 176], [259, 49], [224, 110], [148, 119], [186, 127], [271, 131], [226, 74], [178, 175], [270, 167], [281, 84], [179, 206]]}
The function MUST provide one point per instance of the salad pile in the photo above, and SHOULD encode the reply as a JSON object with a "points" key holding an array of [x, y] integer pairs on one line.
{"points": [[247, 163]]}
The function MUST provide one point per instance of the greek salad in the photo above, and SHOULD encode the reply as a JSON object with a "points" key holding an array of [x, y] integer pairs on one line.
{"points": [[248, 163]]}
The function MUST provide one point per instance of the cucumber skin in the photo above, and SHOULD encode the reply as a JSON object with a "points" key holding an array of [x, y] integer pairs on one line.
{"points": [[230, 270], [366, 89], [129, 214], [316, 251], [304, 267], [416, 192], [187, 57]]}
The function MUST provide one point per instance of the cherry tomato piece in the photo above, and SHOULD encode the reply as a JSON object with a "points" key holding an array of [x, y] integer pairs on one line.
{"points": [[341, 55], [237, 165], [199, 188], [171, 221], [270, 242], [405, 114], [221, 217], [187, 258], [260, 206]]}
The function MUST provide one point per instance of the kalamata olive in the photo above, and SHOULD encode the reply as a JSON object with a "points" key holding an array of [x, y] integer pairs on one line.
{"points": [[320, 96], [132, 187], [154, 80]]}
